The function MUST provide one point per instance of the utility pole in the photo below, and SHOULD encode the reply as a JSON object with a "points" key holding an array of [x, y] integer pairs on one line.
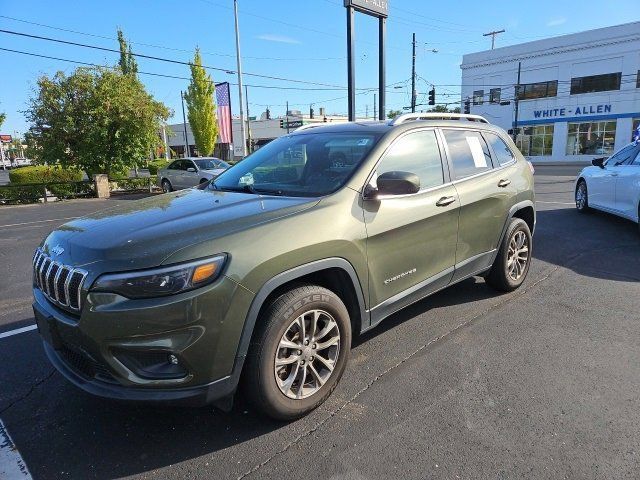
{"points": [[184, 125], [493, 36], [239, 62], [246, 97], [414, 96], [166, 143], [517, 93], [351, 68], [375, 111], [287, 116]]}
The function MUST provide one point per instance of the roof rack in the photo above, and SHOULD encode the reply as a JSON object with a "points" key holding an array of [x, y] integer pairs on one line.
{"points": [[437, 116], [309, 125]]}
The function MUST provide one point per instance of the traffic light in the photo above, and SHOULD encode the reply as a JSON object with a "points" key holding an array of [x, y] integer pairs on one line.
{"points": [[432, 96], [311, 112], [268, 114], [467, 106], [281, 123]]}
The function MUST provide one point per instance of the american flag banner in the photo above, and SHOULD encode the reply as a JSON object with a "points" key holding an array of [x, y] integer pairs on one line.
{"points": [[223, 99]]}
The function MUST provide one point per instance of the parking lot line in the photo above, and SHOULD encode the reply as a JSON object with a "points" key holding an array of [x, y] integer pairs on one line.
{"points": [[12, 466], [37, 221], [18, 331]]}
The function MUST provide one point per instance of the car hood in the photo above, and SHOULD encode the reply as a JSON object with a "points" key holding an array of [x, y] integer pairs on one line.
{"points": [[143, 233]]}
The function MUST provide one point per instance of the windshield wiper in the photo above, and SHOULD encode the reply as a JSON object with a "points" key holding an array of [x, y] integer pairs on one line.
{"points": [[244, 188]]}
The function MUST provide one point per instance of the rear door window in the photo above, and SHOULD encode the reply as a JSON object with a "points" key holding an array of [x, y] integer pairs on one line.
{"points": [[469, 153], [501, 150], [416, 153]]}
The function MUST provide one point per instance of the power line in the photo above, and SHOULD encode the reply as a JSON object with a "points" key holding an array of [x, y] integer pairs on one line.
{"points": [[177, 77], [163, 47], [168, 60]]}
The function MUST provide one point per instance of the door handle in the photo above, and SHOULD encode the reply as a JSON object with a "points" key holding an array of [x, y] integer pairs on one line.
{"points": [[444, 201], [503, 183]]}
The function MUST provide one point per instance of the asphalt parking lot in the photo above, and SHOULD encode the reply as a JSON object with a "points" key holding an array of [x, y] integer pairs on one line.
{"points": [[540, 383]]}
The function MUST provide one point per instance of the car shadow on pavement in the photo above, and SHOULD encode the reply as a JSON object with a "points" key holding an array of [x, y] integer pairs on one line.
{"points": [[595, 245]]}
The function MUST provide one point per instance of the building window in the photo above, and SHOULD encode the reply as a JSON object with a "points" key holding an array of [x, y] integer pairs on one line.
{"points": [[638, 80], [596, 83], [529, 91], [634, 131], [478, 95], [536, 140], [591, 138], [494, 95]]}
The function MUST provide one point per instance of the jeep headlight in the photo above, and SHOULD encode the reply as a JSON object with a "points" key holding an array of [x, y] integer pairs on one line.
{"points": [[162, 281]]}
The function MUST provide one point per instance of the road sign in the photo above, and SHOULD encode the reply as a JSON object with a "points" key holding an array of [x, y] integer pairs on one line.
{"points": [[292, 124], [5, 138], [378, 8]]}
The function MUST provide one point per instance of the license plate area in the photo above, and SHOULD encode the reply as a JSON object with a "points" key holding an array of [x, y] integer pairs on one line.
{"points": [[47, 328]]}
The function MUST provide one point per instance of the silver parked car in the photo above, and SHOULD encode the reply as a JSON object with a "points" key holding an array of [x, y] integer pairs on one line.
{"points": [[189, 172]]}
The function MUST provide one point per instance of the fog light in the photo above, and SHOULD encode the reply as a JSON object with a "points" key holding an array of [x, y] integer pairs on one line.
{"points": [[173, 359]]}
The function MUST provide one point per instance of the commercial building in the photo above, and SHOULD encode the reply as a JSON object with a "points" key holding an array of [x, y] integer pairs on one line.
{"points": [[578, 96], [261, 131]]}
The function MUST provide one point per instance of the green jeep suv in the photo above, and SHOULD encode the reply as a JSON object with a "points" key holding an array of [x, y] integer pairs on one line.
{"points": [[261, 279]]}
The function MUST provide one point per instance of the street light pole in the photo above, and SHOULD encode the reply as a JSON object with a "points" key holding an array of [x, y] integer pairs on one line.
{"points": [[242, 125], [413, 77], [184, 125]]}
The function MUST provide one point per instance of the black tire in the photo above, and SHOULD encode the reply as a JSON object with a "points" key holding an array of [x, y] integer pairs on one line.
{"points": [[166, 186], [259, 376], [581, 194], [500, 277]]}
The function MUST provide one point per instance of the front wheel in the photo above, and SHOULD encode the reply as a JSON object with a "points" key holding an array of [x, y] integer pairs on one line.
{"points": [[582, 197], [166, 186], [511, 265], [298, 353]]}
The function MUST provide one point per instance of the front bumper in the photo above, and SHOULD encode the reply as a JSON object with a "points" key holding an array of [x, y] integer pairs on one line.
{"points": [[201, 328]]}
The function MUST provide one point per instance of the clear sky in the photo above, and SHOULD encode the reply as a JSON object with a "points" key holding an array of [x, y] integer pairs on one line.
{"points": [[293, 39]]}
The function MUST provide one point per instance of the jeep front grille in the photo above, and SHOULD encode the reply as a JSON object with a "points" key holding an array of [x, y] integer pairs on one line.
{"points": [[61, 284]]}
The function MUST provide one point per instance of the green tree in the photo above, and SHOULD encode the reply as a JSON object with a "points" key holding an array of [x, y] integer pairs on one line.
{"points": [[3, 116], [127, 61], [393, 114], [201, 107], [99, 120]]}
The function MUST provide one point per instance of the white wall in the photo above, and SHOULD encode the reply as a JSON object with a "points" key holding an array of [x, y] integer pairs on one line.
{"points": [[606, 50]]}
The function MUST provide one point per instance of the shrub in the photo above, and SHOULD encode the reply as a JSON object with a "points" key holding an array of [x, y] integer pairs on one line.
{"points": [[156, 165], [44, 174], [55, 176]]}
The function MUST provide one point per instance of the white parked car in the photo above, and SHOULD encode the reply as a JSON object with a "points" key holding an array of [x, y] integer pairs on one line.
{"points": [[21, 162], [612, 184], [189, 172]]}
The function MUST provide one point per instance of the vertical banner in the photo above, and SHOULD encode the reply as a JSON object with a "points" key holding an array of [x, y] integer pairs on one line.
{"points": [[223, 99]]}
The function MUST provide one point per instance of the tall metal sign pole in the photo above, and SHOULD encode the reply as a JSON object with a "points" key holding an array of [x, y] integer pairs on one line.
{"points": [[243, 127], [379, 9]]}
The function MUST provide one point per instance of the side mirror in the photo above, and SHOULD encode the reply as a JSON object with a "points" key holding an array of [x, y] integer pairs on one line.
{"points": [[598, 162], [398, 183], [191, 170]]}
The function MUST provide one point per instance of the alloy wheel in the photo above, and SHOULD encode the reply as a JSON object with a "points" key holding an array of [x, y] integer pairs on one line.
{"points": [[518, 255], [307, 354], [581, 196]]}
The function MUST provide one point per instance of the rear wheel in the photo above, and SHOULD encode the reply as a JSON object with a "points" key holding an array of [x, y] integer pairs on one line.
{"points": [[166, 186], [298, 353], [582, 197], [511, 265]]}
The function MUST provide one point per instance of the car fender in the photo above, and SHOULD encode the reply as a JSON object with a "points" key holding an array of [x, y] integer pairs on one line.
{"points": [[285, 277], [514, 208]]}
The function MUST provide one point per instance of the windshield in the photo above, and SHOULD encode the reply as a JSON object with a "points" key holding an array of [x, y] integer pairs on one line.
{"points": [[308, 165], [210, 163]]}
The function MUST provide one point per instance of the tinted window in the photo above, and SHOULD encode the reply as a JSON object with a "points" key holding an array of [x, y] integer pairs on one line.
{"points": [[502, 152], [528, 91], [596, 83], [469, 153], [175, 165], [415, 153], [188, 164]]}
